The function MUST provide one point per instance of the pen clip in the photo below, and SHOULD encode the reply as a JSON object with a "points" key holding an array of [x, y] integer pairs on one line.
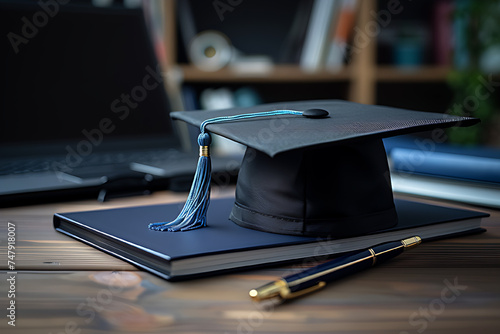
{"points": [[299, 293]]}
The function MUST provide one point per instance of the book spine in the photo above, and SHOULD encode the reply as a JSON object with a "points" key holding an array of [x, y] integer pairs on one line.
{"points": [[442, 24], [294, 43], [461, 57], [340, 33], [316, 37]]}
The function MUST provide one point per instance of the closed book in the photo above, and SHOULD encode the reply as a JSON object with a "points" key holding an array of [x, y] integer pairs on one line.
{"points": [[224, 246], [445, 164], [440, 170]]}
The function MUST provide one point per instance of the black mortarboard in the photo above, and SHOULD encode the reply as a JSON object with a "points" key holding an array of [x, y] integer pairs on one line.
{"points": [[324, 173]]}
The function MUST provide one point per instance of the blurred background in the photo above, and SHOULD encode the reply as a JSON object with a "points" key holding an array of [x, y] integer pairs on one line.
{"points": [[439, 56], [433, 56], [422, 55]]}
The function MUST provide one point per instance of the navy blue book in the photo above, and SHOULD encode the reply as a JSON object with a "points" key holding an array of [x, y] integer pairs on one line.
{"points": [[224, 246]]}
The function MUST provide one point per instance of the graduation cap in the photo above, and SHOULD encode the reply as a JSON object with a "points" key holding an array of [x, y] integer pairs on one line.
{"points": [[311, 168]]}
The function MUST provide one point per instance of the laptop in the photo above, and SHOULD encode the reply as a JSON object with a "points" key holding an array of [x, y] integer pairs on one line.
{"points": [[82, 100]]}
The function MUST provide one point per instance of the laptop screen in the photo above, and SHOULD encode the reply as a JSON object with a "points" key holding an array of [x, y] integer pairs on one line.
{"points": [[76, 73]]}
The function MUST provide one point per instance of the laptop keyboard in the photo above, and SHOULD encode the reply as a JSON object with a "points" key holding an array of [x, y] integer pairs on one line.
{"points": [[96, 159], [19, 167]]}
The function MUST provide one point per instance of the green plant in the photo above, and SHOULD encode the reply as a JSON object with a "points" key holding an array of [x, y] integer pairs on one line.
{"points": [[479, 27]]}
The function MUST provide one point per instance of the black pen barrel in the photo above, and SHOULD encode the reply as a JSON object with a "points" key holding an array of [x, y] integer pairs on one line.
{"points": [[344, 266], [388, 251], [329, 271]]}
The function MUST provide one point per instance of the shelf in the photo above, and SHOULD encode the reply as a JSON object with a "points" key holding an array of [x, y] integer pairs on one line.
{"points": [[278, 73], [416, 74], [293, 73]]}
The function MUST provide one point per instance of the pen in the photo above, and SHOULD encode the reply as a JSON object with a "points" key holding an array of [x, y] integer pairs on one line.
{"points": [[315, 278]]}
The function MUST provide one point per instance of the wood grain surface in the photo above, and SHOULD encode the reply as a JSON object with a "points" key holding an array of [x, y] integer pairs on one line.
{"points": [[382, 300], [64, 286]]}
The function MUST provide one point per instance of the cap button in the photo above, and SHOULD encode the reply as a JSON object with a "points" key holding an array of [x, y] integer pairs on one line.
{"points": [[315, 113]]}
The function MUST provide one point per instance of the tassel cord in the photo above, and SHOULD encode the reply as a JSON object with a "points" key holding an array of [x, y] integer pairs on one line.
{"points": [[246, 116], [194, 213]]}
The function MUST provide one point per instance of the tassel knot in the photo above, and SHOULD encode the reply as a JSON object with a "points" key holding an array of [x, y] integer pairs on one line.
{"points": [[204, 139]]}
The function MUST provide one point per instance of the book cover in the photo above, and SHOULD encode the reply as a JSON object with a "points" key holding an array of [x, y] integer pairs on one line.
{"points": [[224, 246]]}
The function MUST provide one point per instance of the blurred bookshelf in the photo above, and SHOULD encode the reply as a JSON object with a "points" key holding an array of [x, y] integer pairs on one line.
{"points": [[362, 75], [407, 61]]}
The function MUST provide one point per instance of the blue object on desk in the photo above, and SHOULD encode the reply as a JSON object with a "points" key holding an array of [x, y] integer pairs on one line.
{"points": [[459, 166], [410, 154]]}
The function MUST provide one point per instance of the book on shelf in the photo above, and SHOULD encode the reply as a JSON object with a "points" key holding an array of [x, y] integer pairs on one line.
{"points": [[294, 41], [340, 33], [225, 246], [329, 30], [443, 31], [461, 55], [186, 24], [153, 13], [322, 17]]}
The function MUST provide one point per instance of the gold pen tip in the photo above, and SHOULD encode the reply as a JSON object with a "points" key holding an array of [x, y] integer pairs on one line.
{"points": [[253, 294], [411, 242], [270, 290]]}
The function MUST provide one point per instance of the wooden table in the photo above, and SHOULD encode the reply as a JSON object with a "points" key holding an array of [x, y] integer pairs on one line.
{"points": [[64, 286]]}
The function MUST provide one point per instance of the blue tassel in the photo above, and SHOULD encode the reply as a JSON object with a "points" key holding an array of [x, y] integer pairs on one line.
{"points": [[194, 212]]}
